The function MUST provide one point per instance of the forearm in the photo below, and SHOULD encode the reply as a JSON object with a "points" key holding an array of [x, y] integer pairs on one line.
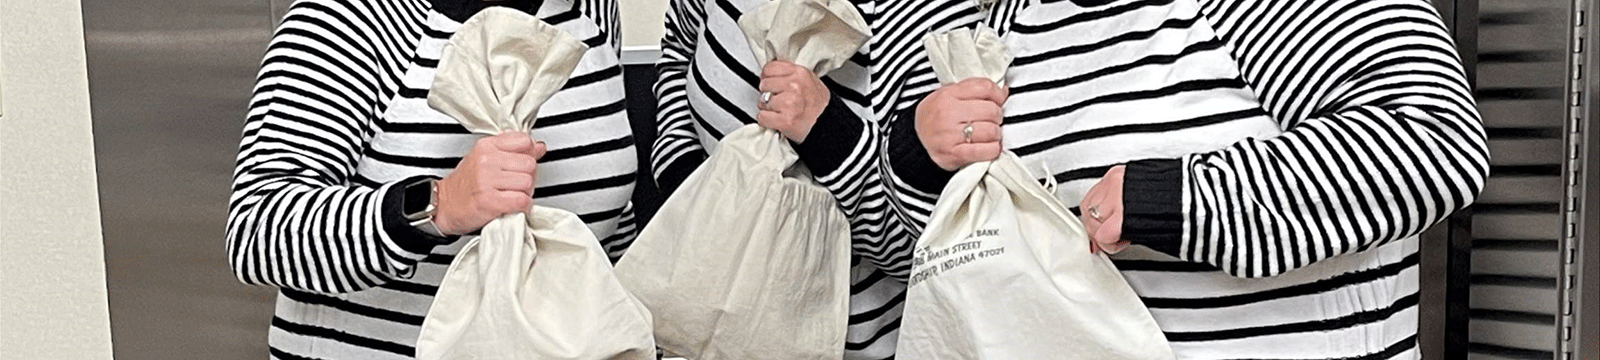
{"points": [[327, 240], [676, 151], [888, 189], [1382, 140], [1345, 183]]}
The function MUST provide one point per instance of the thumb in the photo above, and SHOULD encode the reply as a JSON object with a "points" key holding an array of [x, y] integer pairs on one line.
{"points": [[538, 150]]}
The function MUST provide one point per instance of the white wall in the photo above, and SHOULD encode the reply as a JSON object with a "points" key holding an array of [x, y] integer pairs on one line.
{"points": [[52, 273], [642, 22]]}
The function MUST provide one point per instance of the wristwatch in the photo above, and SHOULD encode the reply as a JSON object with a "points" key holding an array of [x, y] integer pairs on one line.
{"points": [[419, 203]]}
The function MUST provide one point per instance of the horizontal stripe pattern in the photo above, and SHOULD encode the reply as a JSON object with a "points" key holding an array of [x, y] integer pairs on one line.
{"points": [[341, 112], [1300, 245], [1277, 259]]}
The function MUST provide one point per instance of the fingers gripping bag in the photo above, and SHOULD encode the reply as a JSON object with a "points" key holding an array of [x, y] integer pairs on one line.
{"points": [[535, 284], [1003, 270], [750, 257]]}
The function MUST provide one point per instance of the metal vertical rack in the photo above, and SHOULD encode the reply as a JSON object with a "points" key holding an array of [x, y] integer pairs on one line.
{"points": [[1513, 265]]}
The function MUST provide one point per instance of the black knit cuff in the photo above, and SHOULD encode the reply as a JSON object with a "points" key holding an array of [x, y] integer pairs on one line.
{"points": [[910, 161], [461, 10], [1152, 204], [408, 237], [832, 139], [668, 179]]}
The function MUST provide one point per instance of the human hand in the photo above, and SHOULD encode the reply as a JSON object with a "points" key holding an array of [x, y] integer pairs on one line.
{"points": [[959, 124], [1102, 213], [495, 178], [792, 99]]}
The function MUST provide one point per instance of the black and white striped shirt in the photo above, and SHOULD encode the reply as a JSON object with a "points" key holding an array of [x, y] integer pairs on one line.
{"points": [[340, 115], [707, 87], [1380, 139]]}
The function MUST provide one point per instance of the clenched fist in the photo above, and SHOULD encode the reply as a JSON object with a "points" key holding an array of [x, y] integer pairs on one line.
{"points": [[959, 124], [793, 98], [495, 178]]}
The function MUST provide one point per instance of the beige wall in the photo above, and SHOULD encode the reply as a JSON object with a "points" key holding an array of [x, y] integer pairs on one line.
{"points": [[53, 305], [642, 22]]}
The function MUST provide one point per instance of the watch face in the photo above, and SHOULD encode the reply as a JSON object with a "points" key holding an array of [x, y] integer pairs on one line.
{"points": [[417, 196]]}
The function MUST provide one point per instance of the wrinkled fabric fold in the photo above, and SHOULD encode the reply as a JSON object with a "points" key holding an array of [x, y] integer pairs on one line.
{"points": [[750, 257], [535, 284], [818, 34], [965, 53]]}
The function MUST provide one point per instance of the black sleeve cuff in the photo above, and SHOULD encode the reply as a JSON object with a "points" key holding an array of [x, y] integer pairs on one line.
{"points": [[394, 221], [910, 161], [1152, 204], [668, 179], [832, 138]]}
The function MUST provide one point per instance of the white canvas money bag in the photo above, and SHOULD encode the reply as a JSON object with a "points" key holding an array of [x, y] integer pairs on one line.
{"points": [[963, 53], [1003, 271], [750, 261], [750, 257], [818, 34], [534, 285]]}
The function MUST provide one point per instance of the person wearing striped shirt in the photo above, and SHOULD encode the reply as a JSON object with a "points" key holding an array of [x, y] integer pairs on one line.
{"points": [[709, 84], [1380, 139], [340, 148], [1301, 245]]}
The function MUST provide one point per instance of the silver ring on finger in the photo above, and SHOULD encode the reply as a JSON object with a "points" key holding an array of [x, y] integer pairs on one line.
{"points": [[1094, 212], [766, 97], [966, 133]]}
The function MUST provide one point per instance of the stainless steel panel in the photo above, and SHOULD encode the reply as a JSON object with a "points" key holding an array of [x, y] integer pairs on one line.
{"points": [[1526, 152], [1582, 305], [1514, 298], [1532, 69], [1523, 74], [1513, 332], [279, 7], [1520, 189], [170, 80], [1518, 262], [1477, 356], [1516, 226], [1522, 113]]}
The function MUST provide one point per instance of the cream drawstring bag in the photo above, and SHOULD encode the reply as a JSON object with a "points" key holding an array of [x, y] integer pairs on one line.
{"points": [[967, 53], [534, 285], [750, 257], [818, 34], [1003, 271]]}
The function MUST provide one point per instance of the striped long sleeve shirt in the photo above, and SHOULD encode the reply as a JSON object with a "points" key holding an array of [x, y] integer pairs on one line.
{"points": [[340, 116], [1299, 245]]}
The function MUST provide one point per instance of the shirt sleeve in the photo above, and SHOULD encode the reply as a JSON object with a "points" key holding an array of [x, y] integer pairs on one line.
{"points": [[297, 217], [676, 151], [850, 158], [1389, 143]]}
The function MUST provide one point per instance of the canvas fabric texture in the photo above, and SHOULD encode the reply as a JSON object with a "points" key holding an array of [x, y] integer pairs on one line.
{"points": [[1004, 272], [534, 284], [750, 257]]}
